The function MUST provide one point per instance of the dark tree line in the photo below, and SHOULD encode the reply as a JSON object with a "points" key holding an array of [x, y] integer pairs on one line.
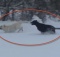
{"points": [[49, 5]]}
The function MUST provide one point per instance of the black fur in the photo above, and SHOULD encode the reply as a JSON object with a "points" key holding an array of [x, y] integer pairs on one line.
{"points": [[43, 27]]}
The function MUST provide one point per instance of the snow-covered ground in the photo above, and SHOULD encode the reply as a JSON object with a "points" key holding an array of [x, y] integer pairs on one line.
{"points": [[30, 35]]}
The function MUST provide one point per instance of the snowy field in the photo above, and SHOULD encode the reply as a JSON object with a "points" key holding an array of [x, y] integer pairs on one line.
{"points": [[30, 35]]}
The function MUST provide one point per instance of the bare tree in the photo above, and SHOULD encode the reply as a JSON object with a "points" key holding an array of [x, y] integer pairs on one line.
{"points": [[6, 8]]}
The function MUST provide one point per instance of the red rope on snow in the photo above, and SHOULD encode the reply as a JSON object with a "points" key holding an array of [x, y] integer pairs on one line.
{"points": [[45, 43], [31, 9]]}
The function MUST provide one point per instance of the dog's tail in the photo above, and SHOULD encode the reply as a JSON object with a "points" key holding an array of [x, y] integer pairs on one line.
{"points": [[57, 28]]}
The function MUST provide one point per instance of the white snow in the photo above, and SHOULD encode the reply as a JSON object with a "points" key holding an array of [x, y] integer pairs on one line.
{"points": [[30, 35]]}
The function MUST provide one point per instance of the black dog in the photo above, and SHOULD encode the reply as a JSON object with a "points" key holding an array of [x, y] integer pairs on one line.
{"points": [[43, 27]]}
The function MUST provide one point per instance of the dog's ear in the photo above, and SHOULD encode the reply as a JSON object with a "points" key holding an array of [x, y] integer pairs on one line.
{"points": [[34, 21]]}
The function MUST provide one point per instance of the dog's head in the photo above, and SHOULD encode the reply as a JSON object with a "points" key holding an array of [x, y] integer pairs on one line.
{"points": [[34, 22]]}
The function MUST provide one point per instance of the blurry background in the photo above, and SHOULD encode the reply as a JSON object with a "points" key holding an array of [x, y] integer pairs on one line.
{"points": [[7, 6]]}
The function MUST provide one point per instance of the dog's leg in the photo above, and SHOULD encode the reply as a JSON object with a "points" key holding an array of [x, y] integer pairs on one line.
{"points": [[21, 29]]}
